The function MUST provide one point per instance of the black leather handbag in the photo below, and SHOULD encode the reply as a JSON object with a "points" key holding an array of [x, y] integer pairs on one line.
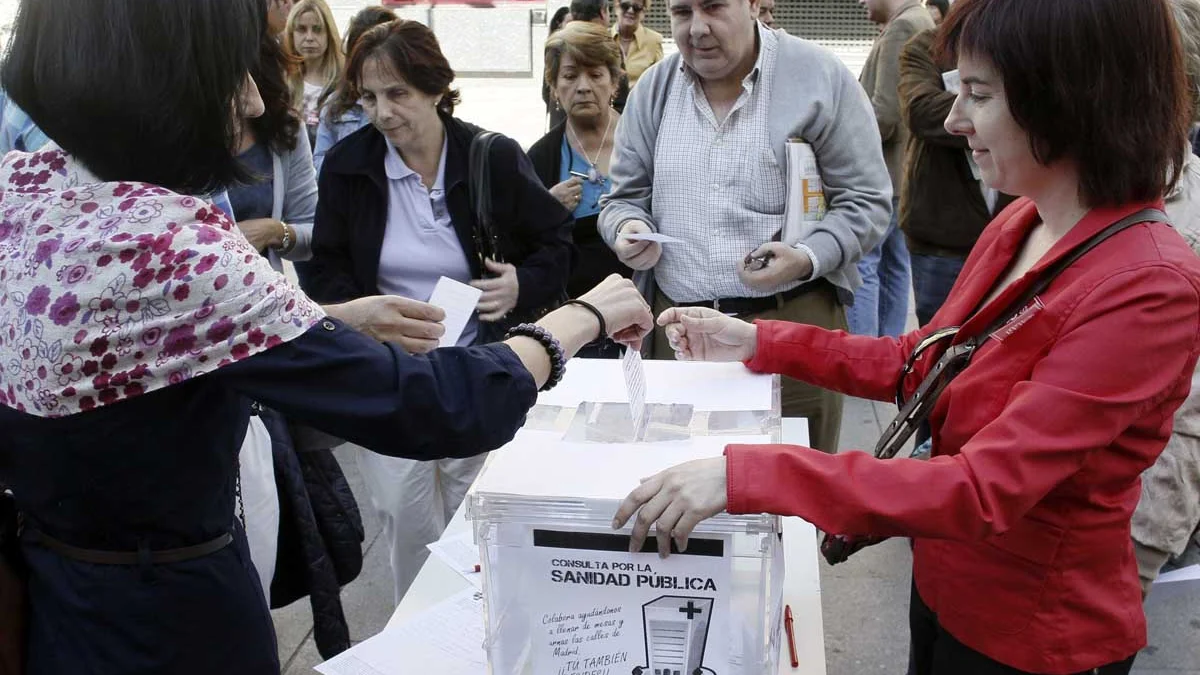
{"points": [[490, 241], [838, 547]]}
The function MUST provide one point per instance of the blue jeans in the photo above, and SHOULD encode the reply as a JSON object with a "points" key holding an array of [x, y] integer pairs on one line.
{"points": [[932, 278], [881, 303]]}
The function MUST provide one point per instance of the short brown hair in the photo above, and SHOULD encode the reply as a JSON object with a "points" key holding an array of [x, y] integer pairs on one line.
{"points": [[590, 46], [1101, 82], [412, 51]]}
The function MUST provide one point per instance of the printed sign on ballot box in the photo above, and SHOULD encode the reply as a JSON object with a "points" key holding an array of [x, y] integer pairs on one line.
{"points": [[601, 610]]}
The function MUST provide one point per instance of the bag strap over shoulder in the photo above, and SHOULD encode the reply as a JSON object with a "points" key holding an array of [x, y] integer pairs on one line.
{"points": [[479, 189]]}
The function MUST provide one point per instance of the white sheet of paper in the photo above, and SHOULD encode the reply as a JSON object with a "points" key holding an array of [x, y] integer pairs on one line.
{"points": [[952, 81], [1191, 573], [458, 300], [460, 554], [652, 236], [584, 471], [635, 388], [704, 386], [446, 639]]}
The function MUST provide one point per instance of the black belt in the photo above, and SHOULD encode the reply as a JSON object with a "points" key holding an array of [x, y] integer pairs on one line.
{"points": [[128, 558], [743, 306]]}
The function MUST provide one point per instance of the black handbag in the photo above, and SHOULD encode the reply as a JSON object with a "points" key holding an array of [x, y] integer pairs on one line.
{"points": [[490, 241], [838, 547], [14, 591]]}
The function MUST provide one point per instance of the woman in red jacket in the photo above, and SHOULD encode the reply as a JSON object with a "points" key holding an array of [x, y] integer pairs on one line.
{"points": [[1020, 520]]}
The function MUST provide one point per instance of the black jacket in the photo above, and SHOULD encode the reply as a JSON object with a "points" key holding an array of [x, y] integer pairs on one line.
{"points": [[596, 260], [352, 216]]}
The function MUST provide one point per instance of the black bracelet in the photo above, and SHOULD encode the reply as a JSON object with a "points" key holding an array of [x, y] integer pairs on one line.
{"points": [[558, 359], [591, 308]]}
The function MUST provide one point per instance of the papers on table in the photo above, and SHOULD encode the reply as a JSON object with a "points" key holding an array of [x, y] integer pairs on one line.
{"points": [[651, 236], [635, 388], [704, 386], [461, 555], [585, 471], [458, 300], [446, 639]]}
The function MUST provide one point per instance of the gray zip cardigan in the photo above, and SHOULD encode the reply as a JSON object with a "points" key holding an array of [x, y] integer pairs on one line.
{"points": [[815, 97]]}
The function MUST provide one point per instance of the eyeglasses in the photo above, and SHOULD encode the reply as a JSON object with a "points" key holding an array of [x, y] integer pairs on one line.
{"points": [[630, 7]]}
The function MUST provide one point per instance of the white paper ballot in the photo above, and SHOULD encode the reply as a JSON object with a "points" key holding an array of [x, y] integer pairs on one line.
{"points": [[952, 81], [1191, 573], [458, 300], [704, 386], [446, 639], [635, 386], [652, 236], [461, 555]]}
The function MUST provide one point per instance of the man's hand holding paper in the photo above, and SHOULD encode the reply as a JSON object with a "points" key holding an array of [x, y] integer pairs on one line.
{"points": [[638, 255]]}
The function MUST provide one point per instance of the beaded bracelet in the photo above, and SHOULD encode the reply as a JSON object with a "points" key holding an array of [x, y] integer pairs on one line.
{"points": [[558, 359]]}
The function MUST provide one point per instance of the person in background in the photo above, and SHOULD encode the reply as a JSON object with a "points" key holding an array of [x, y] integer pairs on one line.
{"points": [[596, 11], [702, 157], [274, 210], [938, 9], [1166, 523], [312, 35], [395, 216], [583, 67], [277, 16], [341, 118], [17, 131], [943, 205], [766, 13], [555, 113], [1020, 520], [641, 47], [881, 303], [120, 443]]}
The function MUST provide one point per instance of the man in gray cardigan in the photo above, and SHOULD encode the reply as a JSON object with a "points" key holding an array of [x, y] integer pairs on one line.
{"points": [[700, 156]]}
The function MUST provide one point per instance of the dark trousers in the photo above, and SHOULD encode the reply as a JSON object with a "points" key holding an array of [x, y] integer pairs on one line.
{"points": [[822, 408], [936, 652]]}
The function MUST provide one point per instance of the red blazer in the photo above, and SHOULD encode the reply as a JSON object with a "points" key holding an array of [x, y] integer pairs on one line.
{"points": [[1021, 518]]}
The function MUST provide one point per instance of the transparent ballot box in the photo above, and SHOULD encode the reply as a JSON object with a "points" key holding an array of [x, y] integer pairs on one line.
{"points": [[565, 596]]}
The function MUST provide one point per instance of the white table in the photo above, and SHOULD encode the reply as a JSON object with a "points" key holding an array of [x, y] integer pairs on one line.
{"points": [[801, 587]]}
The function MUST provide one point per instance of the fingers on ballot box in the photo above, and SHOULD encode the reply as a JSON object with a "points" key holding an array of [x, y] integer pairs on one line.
{"points": [[563, 593]]}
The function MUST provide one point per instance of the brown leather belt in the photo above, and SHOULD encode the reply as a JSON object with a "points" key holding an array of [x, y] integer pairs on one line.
{"points": [[128, 558]]}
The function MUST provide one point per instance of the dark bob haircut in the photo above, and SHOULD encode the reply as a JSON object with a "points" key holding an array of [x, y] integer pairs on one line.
{"points": [[412, 51], [138, 90], [1101, 82]]}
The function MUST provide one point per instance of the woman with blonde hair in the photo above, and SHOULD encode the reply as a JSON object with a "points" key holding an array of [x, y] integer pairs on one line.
{"points": [[312, 35]]}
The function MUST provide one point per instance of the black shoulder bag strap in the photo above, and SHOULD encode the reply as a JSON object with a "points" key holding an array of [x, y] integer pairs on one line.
{"points": [[838, 548], [479, 189]]}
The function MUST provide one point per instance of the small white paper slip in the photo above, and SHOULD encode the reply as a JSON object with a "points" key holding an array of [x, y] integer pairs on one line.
{"points": [[952, 81], [461, 555], [1191, 573], [635, 384], [458, 300], [446, 639], [652, 236]]}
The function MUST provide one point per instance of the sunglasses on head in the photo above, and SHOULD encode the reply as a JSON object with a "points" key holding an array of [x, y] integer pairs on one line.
{"points": [[627, 6]]}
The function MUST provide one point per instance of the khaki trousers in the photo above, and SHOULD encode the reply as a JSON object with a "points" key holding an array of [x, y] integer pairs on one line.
{"points": [[823, 408]]}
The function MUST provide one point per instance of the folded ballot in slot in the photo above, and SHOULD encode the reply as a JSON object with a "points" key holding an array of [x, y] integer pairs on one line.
{"points": [[564, 595]]}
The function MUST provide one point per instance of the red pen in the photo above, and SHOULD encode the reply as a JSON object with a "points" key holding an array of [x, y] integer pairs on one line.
{"points": [[791, 634]]}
